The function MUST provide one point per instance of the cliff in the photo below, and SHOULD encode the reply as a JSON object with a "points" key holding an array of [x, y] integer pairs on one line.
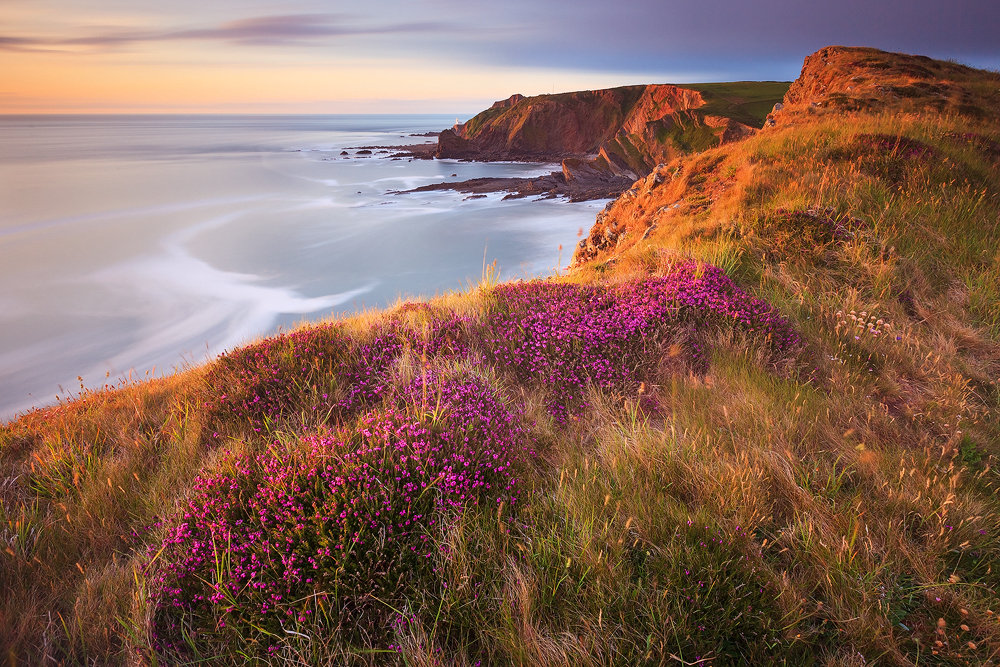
{"points": [[618, 131], [836, 84]]}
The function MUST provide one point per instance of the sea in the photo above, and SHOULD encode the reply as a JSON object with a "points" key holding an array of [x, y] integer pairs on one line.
{"points": [[134, 246]]}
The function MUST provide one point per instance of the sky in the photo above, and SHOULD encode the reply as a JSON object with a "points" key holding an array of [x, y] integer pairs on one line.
{"points": [[435, 56]]}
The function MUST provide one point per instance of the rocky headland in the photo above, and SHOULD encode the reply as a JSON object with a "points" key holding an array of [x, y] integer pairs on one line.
{"points": [[604, 139], [837, 80]]}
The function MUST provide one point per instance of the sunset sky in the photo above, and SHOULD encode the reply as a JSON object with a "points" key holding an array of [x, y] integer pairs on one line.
{"points": [[393, 56]]}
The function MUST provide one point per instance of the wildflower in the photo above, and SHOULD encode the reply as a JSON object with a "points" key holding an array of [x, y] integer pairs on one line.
{"points": [[275, 512]]}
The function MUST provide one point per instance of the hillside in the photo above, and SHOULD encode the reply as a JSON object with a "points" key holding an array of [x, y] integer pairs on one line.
{"points": [[757, 423], [835, 80]]}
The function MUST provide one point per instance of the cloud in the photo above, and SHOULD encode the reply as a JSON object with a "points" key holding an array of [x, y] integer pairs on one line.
{"points": [[278, 29], [645, 38], [255, 31], [667, 35], [10, 43]]}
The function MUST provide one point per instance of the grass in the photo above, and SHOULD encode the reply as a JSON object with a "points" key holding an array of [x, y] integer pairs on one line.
{"points": [[688, 487], [747, 102], [883, 259]]}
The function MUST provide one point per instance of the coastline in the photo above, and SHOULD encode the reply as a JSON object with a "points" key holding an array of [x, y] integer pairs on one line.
{"points": [[578, 185]]}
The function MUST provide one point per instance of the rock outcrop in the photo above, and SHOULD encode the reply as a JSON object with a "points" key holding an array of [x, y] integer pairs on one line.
{"points": [[509, 102], [583, 185], [839, 79]]}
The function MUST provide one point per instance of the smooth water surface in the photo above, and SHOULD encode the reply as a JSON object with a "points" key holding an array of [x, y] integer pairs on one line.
{"points": [[134, 242]]}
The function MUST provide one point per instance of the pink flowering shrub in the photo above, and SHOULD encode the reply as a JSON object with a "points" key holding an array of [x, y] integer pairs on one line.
{"points": [[323, 369], [338, 530], [260, 382], [569, 336]]}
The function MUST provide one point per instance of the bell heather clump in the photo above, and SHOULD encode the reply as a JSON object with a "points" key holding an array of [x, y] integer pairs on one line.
{"points": [[367, 380], [324, 368], [568, 336], [259, 383], [561, 335], [335, 531]]}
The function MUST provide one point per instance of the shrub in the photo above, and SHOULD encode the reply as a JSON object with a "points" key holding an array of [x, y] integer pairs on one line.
{"points": [[334, 531], [260, 383], [324, 369], [568, 336]]}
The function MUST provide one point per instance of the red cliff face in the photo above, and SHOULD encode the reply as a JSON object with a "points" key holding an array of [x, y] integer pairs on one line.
{"points": [[622, 131], [839, 79], [547, 126]]}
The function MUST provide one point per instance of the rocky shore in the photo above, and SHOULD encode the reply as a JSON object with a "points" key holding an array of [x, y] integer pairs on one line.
{"points": [[548, 186], [604, 139]]}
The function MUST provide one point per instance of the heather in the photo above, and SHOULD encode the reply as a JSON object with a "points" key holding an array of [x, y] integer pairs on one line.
{"points": [[569, 337], [759, 426], [322, 369], [566, 337], [334, 531]]}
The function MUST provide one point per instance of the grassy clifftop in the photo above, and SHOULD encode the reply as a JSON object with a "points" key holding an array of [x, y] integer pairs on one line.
{"points": [[758, 423], [746, 102]]}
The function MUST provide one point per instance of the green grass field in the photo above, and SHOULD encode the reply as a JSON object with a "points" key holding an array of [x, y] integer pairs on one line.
{"points": [[747, 102]]}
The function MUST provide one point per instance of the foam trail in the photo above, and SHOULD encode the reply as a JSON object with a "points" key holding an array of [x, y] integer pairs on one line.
{"points": [[319, 203], [212, 245], [234, 303]]}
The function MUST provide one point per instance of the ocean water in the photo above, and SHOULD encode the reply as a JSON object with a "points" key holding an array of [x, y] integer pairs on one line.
{"points": [[139, 244]]}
